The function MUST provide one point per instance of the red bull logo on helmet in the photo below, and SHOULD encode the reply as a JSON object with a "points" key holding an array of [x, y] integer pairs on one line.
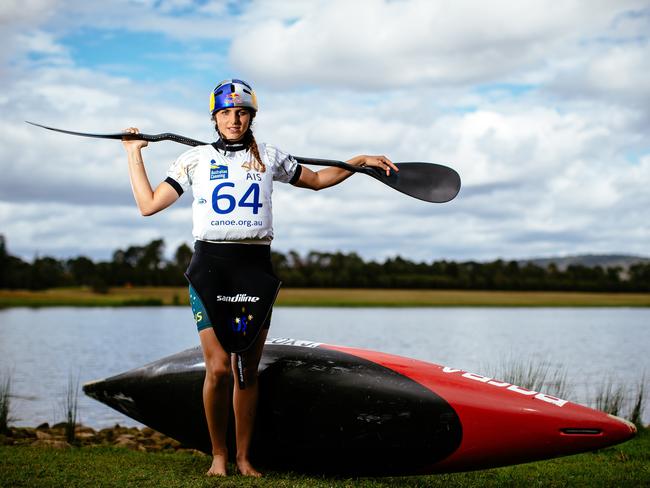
{"points": [[234, 98]]}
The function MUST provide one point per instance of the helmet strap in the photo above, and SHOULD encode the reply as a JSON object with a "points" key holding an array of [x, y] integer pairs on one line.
{"points": [[232, 146]]}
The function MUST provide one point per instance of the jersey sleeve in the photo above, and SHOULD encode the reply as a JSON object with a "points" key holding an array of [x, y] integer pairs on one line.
{"points": [[179, 174], [285, 168]]}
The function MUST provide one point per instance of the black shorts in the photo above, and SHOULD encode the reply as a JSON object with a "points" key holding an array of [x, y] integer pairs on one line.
{"points": [[227, 263]]}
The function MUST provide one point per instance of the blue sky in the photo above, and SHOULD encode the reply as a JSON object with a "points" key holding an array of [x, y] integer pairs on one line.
{"points": [[544, 112], [146, 57]]}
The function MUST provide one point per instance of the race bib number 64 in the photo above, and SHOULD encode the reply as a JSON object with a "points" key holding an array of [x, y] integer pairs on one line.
{"points": [[223, 202]]}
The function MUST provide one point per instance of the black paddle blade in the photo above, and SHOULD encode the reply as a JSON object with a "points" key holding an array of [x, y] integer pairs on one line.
{"points": [[166, 136], [430, 182], [426, 181]]}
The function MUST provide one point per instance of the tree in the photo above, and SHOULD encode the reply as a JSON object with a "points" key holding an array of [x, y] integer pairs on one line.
{"points": [[47, 273], [183, 256], [4, 263], [82, 270]]}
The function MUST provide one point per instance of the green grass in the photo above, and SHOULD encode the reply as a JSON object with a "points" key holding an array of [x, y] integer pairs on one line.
{"points": [[82, 297], [455, 298], [627, 464], [329, 297]]}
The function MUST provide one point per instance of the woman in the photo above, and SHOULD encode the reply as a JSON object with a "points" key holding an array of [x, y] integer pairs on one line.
{"points": [[231, 181]]}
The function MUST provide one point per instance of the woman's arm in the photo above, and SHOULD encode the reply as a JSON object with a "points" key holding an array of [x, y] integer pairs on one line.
{"points": [[317, 180], [149, 201]]}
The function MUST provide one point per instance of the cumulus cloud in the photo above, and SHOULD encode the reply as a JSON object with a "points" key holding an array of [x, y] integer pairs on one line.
{"points": [[536, 181], [615, 74], [378, 44], [44, 166], [65, 230], [178, 19], [559, 166], [17, 18]]}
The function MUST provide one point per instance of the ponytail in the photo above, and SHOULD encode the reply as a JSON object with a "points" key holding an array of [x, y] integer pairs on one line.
{"points": [[257, 159]]}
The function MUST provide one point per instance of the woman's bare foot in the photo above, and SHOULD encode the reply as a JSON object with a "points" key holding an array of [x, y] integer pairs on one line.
{"points": [[244, 466], [218, 467]]}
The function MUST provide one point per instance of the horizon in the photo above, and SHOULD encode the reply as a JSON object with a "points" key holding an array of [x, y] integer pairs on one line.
{"points": [[168, 255]]}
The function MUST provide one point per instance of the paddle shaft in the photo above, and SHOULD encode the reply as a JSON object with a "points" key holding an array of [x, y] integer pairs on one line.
{"points": [[170, 136]]}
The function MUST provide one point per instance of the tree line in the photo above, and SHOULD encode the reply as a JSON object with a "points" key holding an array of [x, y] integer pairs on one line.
{"points": [[147, 266]]}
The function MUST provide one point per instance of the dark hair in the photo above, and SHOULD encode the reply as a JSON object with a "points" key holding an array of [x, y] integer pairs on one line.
{"points": [[249, 139]]}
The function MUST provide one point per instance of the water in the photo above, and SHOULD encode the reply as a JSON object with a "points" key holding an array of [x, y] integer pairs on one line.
{"points": [[43, 348]]}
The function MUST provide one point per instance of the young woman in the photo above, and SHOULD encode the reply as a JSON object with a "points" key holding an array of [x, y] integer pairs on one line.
{"points": [[232, 181]]}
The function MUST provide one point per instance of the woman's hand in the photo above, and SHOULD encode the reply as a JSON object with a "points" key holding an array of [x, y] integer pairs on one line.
{"points": [[317, 180], [379, 162], [133, 145], [149, 201]]}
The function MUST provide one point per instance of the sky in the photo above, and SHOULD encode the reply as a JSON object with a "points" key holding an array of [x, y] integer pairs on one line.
{"points": [[543, 108]]}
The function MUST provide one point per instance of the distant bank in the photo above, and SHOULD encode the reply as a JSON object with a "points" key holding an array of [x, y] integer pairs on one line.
{"points": [[328, 297]]}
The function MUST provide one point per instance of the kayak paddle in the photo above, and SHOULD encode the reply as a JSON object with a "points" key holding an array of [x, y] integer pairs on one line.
{"points": [[425, 181]]}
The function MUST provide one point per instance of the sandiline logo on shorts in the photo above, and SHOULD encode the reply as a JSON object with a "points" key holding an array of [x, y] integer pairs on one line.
{"points": [[239, 297]]}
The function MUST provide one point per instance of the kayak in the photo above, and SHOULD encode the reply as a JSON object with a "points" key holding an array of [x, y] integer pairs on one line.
{"points": [[335, 410]]}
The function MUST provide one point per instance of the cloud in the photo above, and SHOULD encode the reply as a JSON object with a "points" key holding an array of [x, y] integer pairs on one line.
{"points": [[17, 18], [25, 12], [536, 181], [543, 112], [180, 19], [43, 166], [64, 230], [615, 74], [377, 44]]}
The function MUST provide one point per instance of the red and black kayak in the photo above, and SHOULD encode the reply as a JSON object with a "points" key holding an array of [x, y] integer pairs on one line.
{"points": [[344, 411]]}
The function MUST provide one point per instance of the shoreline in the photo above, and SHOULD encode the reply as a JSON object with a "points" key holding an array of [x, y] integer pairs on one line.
{"points": [[327, 297], [143, 439]]}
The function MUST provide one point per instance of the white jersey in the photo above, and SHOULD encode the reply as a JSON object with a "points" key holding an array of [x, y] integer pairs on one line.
{"points": [[232, 196]]}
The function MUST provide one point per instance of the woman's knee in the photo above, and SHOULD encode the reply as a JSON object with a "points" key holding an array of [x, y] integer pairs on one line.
{"points": [[217, 373]]}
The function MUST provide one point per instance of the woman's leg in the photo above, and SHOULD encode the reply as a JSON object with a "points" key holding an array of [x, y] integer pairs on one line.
{"points": [[216, 398], [245, 405]]}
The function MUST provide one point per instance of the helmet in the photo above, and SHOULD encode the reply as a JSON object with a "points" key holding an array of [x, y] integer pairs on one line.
{"points": [[232, 93]]}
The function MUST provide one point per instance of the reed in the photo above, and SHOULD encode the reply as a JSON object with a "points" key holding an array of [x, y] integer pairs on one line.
{"points": [[5, 402], [610, 397], [533, 375], [636, 413], [71, 407]]}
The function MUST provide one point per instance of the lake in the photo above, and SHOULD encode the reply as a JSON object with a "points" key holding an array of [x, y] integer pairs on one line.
{"points": [[43, 348]]}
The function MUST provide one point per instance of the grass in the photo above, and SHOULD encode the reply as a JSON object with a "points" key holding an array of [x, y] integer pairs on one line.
{"points": [[83, 297], [452, 298], [624, 465], [328, 297]]}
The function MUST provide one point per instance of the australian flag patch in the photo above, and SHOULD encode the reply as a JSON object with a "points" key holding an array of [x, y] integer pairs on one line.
{"points": [[218, 171]]}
